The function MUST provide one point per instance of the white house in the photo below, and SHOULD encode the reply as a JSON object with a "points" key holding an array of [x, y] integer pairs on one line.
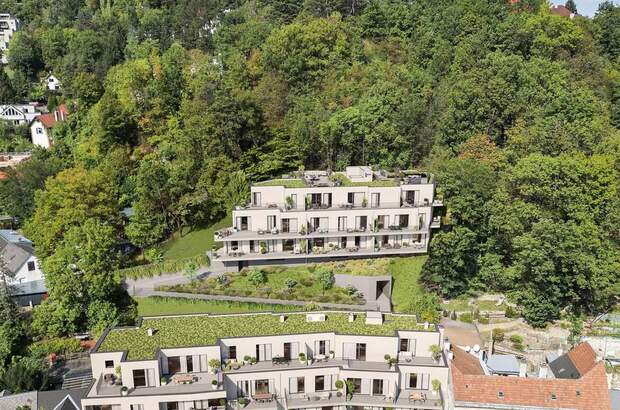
{"points": [[41, 126], [20, 114], [8, 26], [52, 82], [24, 271]]}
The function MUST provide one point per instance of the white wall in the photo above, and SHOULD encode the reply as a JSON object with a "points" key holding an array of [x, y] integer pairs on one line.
{"points": [[25, 275], [39, 134]]}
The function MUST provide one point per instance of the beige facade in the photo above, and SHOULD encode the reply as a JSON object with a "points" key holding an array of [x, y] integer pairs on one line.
{"points": [[318, 216], [278, 379]]}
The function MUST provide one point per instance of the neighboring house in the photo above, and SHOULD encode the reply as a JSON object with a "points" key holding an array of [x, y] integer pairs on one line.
{"points": [[41, 126], [561, 10], [44, 400], [577, 381], [321, 215], [20, 114], [52, 82], [166, 363], [25, 274], [8, 26], [11, 159]]}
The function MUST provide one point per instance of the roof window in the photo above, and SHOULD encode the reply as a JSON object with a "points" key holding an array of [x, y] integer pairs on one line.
{"points": [[500, 395]]}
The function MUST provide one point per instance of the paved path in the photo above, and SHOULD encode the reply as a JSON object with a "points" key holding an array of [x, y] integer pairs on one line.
{"points": [[255, 300]]}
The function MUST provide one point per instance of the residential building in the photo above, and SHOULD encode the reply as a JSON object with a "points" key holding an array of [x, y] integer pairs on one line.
{"points": [[562, 10], [577, 381], [11, 159], [20, 114], [8, 26], [25, 275], [167, 363], [43, 400], [41, 126], [329, 215], [52, 82]]}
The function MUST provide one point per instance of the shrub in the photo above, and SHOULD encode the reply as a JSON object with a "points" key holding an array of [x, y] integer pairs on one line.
{"points": [[484, 320], [325, 277], [498, 335], [350, 290], [290, 283], [516, 338], [223, 280], [58, 346], [466, 317], [339, 384], [257, 277], [511, 312], [306, 282]]}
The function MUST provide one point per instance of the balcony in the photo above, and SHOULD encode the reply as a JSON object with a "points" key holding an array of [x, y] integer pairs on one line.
{"points": [[314, 399], [282, 207], [231, 234], [195, 383], [436, 222], [419, 399], [293, 364]]}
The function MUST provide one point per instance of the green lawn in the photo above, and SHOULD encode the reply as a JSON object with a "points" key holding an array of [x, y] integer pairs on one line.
{"points": [[154, 306], [196, 242], [206, 330], [405, 277]]}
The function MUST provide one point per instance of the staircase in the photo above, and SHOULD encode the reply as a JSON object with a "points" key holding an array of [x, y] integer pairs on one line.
{"points": [[77, 379]]}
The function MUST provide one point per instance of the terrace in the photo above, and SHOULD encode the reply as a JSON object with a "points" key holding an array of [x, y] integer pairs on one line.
{"points": [[311, 179], [205, 330]]}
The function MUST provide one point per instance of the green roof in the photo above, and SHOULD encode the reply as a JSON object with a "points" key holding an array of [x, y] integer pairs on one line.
{"points": [[204, 330], [286, 183]]}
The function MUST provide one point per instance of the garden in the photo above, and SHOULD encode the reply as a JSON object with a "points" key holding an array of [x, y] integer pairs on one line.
{"points": [[155, 305], [312, 283]]}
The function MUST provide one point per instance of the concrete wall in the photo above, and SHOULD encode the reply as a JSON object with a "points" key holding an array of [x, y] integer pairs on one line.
{"points": [[365, 284]]}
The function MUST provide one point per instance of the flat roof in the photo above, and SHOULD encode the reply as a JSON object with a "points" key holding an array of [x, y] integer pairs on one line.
{"points": [[319, 179], [205, 330]]}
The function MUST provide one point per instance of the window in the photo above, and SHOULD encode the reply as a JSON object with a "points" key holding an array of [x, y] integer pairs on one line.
{"points": [[287, 351], [413, 380], [361, 222], [360, 351], [342, 223], [294, 201], [301, 384], [262, 386], [377, 386], [403, 221], [172, 405], [252, 247], [343, 242], [375, 200], [243, 223], [263, 352], [553, 396], [404, 345], [288, 245], [232, 352], [256, 199], [139, 378], [271, 222], [319, 383], [39, 130], [500, 395], [422, 220], [383, 221], [174, 365], [136, 406], [109, 364], [286, 225], [322, 347], [31, 266], [190, 363], [357, 385], [234, 245]]}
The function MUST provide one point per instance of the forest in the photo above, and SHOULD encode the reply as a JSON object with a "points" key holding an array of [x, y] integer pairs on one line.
{"points": [[177, 106]]}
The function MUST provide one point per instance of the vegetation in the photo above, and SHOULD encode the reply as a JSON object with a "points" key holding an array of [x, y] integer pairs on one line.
{"points": [[177, 106], [155, 306], [312, 283], [201, 330], [193, 243]]}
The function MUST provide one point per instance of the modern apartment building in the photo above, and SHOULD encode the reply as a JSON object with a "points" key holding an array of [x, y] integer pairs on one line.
{"points": [[8, 26], [328, 215], [168, 363]]}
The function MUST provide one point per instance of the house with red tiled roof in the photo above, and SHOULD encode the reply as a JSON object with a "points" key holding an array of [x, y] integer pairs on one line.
{"points": [[41, 126], [581, 385], [561, 10]]}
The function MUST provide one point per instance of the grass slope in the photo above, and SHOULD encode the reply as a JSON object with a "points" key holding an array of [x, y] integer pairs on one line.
{"points": [[406, 280], [193, 243], [154, 306]]}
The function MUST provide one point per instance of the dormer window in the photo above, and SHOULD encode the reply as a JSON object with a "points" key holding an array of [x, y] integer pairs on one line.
{"points": [[553, 396], [500, 395], [578, 393]]}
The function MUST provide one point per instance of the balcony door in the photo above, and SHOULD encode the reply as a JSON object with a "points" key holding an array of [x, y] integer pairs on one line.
{"points": [[243, 223], [360, 351], [174, 365], [375, 200], [377, 387], [263, 352], [261, 386], [410, 197], [291, 350], [256, 199]]}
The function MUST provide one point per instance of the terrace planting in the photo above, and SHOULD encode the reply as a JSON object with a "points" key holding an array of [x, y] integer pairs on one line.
{"points": [[206, 330]]}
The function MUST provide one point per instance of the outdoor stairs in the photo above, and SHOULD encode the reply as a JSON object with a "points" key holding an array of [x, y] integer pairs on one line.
{"points": [[77, 380]]}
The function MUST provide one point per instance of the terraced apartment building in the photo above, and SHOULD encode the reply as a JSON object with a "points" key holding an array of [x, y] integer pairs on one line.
{"points": [[318, 360], [323, 215]]}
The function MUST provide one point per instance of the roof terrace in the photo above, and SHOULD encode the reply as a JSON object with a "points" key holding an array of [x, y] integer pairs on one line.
{"points": [[204, 330]]}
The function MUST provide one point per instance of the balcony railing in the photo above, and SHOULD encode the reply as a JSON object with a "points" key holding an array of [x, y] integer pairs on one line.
{"points": [[337, 206]]}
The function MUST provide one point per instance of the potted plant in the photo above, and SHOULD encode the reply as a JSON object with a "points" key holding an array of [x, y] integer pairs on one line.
{"points": [[124, 391], [214, 365], [302, 358], [242, 401], [339, 385], [332, 354], [263, 247], [163, 381], [247, 359], [214, 383], [253, 360], [289, 202], [387, 358], [436, 386], [350, 388], [364, 202], [435, 352]]}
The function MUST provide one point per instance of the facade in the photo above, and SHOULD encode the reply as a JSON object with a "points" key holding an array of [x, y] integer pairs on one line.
{"points": [[42, 125], [52, 82], [577, 380], [44, 400], [329, 215], [178, 375], [20, 114], [25, 275], [8, 26]]}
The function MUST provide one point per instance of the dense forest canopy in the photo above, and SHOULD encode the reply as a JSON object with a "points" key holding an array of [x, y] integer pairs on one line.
{"points": [[177, 105]]}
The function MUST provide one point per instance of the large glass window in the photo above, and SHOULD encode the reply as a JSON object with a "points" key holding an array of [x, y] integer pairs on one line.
{"points": [[342, 223], [403, 221], [139, 378], [262, 386], [357, 385], [256, 200], [288, 245], [319, 383], [375, 200], [301, 384], [361, 222], [232, 352], [404, 345], [190, 364], [360, 351], [377, 386], [174, 364], [413, 380]]}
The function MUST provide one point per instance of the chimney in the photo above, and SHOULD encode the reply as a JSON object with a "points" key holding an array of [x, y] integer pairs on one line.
{"points": [[56, 115], [522, 369]]}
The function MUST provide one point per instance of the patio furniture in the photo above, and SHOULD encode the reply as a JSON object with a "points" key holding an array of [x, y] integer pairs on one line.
{"points": [[183, 378], [417, 396], [263, 397], [279, 360], [320, 358], [109, 378]]}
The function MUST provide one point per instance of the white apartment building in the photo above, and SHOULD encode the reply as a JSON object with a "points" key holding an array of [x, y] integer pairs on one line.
{"points": [[167, 363], [328, 215], [20, 114], [8, 26]]}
